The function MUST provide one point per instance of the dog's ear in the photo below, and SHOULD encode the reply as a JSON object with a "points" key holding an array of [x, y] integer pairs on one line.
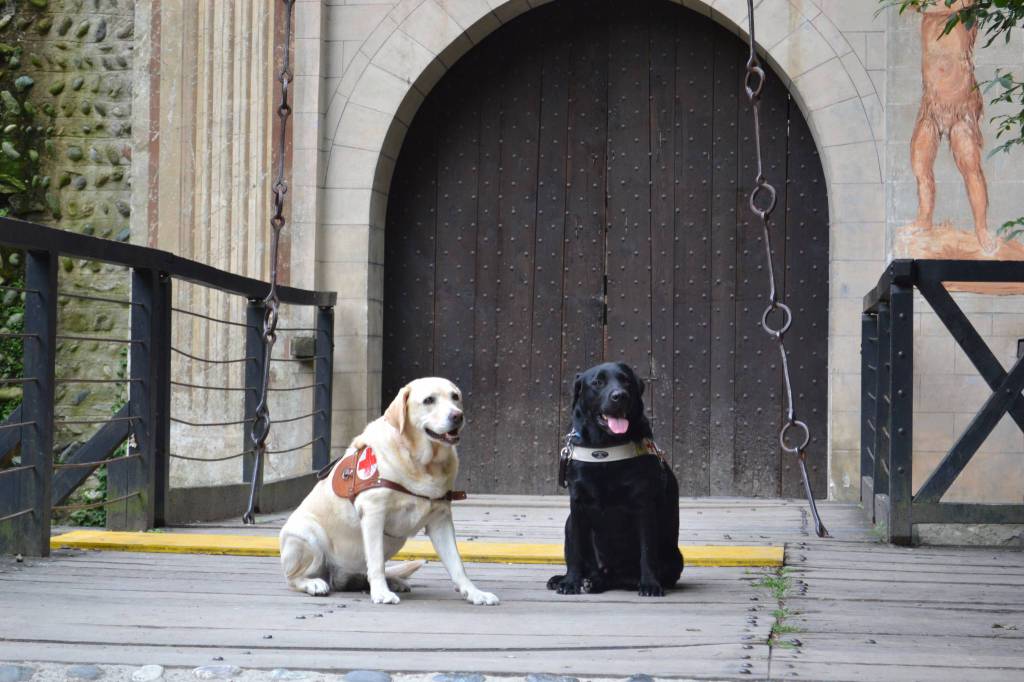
{"points": [[395, 414], [636, 377], [577, 386]]}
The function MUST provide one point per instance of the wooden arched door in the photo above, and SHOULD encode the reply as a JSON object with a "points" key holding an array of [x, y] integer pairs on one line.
{"points": [[574, 190]]}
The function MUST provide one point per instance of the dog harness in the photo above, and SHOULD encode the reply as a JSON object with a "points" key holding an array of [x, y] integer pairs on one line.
{"points": [[357, 472], [616, 453]]}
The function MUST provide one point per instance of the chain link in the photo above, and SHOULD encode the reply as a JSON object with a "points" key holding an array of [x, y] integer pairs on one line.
{"points": [[262, 421], [762, 203]]}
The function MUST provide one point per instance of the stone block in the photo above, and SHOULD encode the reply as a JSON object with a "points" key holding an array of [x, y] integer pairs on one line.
{"points": [[346, 207], [855, 162], [353, 22], [858, 203], [801, 50], [361, 127], [842, 44], [343, 244], [404, 57], [351, 168], [379, 90], [844, 476], [853, 16], [823, 85], [858, 241]]}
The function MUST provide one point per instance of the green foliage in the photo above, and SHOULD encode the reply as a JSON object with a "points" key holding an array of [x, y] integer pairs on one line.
{"points": [[12, 319], [23, 133]]}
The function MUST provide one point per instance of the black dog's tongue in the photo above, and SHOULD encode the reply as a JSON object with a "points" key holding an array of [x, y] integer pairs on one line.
{"points": [[618, 425]]}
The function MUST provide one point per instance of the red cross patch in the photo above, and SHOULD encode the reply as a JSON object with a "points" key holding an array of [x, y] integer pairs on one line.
{"points": [[366, 465]]}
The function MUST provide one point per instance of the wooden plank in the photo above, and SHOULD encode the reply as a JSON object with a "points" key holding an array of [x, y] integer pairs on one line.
{"points": [[806, 286], [410, 268], [586, 161], [481, 397], [628, 250], [484, 552], [660, 396], [97, 449], [723, 267], [517, 224], [692, 270], [454, 296], [546, 381], [9, 438]]}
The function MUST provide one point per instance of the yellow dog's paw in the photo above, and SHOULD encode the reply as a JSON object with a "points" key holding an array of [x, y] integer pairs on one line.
{"points": [[317, 587], [384, 597], [481, 598]]}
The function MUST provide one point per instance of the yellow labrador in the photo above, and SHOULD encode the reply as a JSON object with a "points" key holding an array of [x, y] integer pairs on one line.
{"points": [[395, 480]]}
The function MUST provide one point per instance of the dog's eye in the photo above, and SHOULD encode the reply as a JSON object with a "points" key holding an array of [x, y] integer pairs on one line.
{"points": [[429, 400], [598, 383], [455, 397]]}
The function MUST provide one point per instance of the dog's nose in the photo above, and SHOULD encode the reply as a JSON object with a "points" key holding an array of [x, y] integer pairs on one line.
{"points": [[456, 418], [618, 396]]}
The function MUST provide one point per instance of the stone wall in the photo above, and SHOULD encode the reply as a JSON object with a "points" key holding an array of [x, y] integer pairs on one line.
{"points": [[80, 53], [947, 389]]}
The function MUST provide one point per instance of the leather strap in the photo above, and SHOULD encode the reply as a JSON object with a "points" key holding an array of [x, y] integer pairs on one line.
{"points": [[358, 472]]}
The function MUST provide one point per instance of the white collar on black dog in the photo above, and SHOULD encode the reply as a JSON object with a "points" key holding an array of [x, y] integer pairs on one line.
{"points": [[614, 453]]}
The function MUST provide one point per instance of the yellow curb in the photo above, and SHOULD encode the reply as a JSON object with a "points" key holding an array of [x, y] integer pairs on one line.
{"points": [[479, 552]]}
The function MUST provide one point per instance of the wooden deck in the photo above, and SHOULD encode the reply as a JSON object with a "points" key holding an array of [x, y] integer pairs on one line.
{"points": [[864, 611]]}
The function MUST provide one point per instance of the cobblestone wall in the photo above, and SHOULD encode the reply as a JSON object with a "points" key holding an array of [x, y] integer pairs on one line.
{"points": [[79, 53]]}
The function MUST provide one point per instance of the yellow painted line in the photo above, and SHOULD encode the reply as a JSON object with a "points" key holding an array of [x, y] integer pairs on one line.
{"points": [[481, 552]]}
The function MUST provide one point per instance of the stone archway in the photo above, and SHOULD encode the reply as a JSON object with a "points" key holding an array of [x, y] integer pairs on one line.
{"points": [[418, 41]]}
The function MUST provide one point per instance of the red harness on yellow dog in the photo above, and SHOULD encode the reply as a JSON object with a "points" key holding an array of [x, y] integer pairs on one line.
{"points": [[358, 472]]}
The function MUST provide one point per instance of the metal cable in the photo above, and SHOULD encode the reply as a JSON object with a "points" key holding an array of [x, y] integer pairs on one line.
{"points": [[108, 420], [201, 424], [18, 289], [272, 303], [68, 337], [93, 505], [215, 459], [298, 329], [295, 388], [74, 380], [103, 299], [212, 362], [4, 427], [762, 203], [293, 448], [213, 319], [17, 514], [11, 470], [210, 388], [18, 380], [17, 335], [96, 464]]}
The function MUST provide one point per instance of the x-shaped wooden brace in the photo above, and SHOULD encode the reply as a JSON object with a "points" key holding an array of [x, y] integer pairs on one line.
{"points": [[1006, 392]]}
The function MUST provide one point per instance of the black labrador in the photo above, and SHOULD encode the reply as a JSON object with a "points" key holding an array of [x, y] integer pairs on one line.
{"points": [[623, 526]]}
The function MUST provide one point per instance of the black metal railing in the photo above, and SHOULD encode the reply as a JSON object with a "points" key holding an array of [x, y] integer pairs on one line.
{"points": [[887, 396], [135, 443]]}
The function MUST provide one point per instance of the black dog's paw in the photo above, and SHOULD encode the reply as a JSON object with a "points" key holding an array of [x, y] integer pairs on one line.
{"points": [[651, 589], [554, 581], [569, 585]]}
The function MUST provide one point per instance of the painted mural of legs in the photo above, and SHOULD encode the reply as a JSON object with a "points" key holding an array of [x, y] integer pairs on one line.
{"points": [[965, 142], [923, 147]]}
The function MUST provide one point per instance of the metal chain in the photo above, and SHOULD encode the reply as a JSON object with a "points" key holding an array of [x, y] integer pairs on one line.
{"points": [[762, 203], [261, 425]]}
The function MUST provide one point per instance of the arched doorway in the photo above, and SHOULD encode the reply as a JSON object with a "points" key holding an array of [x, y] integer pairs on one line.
{"points": [[574, 190]]}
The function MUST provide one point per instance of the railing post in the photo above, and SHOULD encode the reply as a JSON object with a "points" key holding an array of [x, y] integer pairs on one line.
{"points": [[868, 371], [323, 373], [162, 361], [134, 478], [254, 350], [880, 466], [901, 455], [30, 533]]}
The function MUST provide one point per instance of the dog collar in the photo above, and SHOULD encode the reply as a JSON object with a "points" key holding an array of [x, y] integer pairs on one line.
{"points": [[614, 453]]}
